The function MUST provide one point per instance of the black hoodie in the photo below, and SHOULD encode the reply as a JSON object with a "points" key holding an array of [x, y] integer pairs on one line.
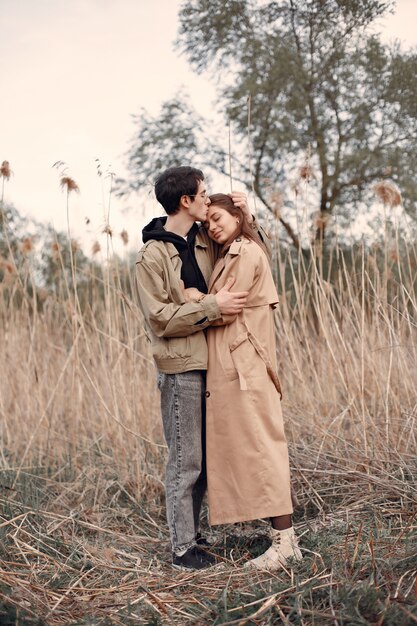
{"points": [[190, 272]]}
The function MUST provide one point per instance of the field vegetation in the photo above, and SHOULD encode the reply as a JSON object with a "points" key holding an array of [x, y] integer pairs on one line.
{"points": [[82, 527]]}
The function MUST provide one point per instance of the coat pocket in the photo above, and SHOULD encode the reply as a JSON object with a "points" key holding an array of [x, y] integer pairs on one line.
{"points": [[246, 360], [227, 367], [252, 360]]}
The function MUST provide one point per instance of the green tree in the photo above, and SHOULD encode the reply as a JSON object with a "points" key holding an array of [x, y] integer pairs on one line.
{"points": [[161, 141], [315, 73]]}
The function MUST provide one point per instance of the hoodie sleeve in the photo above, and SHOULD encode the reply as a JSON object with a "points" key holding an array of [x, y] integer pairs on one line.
{"points": [[165, 317]]}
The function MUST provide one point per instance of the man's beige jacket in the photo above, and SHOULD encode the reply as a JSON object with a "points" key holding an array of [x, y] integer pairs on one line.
{"points": [[175, 327]]}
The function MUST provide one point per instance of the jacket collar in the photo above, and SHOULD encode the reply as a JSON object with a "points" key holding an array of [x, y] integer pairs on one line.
{"points": [[200, 239]]}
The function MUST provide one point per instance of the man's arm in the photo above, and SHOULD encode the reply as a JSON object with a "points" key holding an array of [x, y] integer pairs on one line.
{"points": [[170, 319]]}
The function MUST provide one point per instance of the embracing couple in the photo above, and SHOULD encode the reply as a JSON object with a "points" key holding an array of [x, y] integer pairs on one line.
{"points": [[206, 290]]}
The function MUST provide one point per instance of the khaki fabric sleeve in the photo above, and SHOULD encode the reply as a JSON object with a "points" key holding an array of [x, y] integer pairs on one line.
{"points": [[167, 318]]}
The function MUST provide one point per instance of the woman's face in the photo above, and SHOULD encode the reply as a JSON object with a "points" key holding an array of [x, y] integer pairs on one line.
{"points": [[221, 225]]}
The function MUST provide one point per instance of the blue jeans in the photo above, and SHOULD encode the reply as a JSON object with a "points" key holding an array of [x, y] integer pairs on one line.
{"points": [[183, 418]]}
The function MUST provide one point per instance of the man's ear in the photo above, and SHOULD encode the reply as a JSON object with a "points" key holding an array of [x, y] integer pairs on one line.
{"points": [[185, 202]]}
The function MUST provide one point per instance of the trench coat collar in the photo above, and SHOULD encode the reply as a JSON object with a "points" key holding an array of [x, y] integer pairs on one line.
{"points": [[235, 249], [199, 240], [218, 269]]}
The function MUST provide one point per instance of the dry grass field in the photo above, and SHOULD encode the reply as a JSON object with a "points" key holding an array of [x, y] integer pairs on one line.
{"points": [[83, 532]]}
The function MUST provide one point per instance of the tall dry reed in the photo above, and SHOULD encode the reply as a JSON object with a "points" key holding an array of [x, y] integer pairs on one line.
{"points": [[79, 381]]}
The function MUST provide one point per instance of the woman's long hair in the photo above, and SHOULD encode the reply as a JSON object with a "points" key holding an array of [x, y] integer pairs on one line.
{"points": [[243, 228]]}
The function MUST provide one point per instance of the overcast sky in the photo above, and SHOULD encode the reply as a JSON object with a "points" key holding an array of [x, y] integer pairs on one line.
{"points": [[72, 73]]}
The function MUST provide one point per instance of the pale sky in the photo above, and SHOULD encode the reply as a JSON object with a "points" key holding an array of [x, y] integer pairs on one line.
{"points": [[72, 73]]}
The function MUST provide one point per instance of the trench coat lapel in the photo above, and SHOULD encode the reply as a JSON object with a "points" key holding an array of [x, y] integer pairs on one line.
{"points": [[218, 269]]}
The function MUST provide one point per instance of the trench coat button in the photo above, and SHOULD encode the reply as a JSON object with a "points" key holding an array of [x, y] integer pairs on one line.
{"points": [[207, 394], [238, 239]]}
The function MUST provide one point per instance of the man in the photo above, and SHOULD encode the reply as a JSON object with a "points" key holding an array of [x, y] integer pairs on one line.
{"points": [[176, 253]]}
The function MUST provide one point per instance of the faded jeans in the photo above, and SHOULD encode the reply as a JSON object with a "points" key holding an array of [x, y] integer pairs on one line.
{"points": [[183, 417]]}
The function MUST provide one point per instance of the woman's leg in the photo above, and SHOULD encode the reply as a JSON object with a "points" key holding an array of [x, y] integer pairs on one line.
{"points": [[284, 546], [281, 522]]}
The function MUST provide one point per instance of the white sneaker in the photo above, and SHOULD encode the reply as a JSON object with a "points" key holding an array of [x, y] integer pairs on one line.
{"points": [[284, 546]]}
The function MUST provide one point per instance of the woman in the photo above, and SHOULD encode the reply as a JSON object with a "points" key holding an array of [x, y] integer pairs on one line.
{"points": [[247, 457]]}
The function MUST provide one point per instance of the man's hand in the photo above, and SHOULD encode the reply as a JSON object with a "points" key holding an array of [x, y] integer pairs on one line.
{"points": [[240, 200], [231, 303]]}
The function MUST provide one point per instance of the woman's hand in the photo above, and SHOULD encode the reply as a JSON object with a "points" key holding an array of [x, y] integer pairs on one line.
{"points": [[240, 200], [191, 294]]}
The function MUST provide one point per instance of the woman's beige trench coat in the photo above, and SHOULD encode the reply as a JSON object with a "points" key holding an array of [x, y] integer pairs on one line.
{"points": [[247, 457]]}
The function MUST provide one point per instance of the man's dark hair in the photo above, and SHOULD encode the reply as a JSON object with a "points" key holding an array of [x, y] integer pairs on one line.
{"points": [[174, 183]]}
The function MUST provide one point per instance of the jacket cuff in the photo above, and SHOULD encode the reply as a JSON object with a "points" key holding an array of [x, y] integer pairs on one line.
{"points": [[211, 308]]}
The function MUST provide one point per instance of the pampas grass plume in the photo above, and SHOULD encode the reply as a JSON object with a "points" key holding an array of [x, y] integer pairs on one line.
{"points": [[95, 248], [320, 219], [124, 236], [388, 193], [306, 172], [5, 170], [276, 202], [6, 265], [68, 183], [56, 250], [27, 246]]}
